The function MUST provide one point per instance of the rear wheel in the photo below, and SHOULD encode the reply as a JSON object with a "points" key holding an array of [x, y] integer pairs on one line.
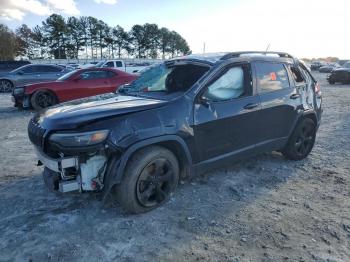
{"points": [[5, 86], [331, 82], [150, 177], [302, 140], [42, 99]]}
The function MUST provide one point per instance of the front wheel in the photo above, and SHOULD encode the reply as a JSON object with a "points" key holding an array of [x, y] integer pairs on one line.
{"points": [[302, 140], [42, 99], [150, 177]]}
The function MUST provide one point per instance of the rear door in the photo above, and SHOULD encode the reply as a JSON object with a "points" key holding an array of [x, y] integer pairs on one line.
{"points": [[225, 112], [280, 101]]}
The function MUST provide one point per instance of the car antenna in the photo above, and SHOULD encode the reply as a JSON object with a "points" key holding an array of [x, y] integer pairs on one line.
{"points": [[267, 48]]}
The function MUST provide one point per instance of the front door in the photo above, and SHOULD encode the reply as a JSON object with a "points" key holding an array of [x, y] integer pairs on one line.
{"points": [[225, 113]]}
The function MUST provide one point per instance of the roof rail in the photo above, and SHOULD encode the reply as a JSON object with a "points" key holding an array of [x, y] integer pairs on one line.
{"points": [[238, 54]]}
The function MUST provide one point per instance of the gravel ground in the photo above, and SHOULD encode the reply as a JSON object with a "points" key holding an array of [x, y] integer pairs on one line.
{"points": [[263, 209]]}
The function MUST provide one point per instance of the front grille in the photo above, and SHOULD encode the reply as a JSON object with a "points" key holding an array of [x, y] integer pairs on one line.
{"points": [[36, 133]]}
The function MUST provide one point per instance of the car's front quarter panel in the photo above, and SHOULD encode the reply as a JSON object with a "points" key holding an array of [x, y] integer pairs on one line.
{"points": [[174, 118]]}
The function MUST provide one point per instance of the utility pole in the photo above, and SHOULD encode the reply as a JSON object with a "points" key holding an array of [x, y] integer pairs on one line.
{"points": [[204, 48]]}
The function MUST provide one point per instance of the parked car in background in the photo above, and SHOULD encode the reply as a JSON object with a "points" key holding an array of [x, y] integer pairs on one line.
{"points": [[33, 73], [73, 85], [73, 65], [7, 66], [328, 68], [119, 64], [315, 66], [183, 116], [341, 75]]}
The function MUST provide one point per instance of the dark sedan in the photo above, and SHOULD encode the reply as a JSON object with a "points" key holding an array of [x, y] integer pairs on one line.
{"points": [[30, 74], [341, 75], [328, 68]]}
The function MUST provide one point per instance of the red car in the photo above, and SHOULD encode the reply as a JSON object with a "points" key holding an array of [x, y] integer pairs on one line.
{"points": [[73, 85]]}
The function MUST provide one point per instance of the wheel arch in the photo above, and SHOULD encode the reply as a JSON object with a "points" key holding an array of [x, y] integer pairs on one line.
{"points": [[306, 114], [6, 79], [173, 143], [32, 92]]}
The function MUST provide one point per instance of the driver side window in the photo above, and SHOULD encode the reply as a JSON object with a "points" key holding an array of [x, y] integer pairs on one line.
{"points": [[230, 85]]}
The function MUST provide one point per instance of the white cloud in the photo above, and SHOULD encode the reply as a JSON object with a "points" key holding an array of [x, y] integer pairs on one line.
{"points": [[68, 7], [109, 2], [17, 9]]}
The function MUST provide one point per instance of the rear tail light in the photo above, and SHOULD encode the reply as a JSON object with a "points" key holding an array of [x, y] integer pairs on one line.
{"points": [[317, 88]]}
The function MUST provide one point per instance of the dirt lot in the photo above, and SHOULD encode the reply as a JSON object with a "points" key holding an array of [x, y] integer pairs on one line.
{"points": [[264, 209]]}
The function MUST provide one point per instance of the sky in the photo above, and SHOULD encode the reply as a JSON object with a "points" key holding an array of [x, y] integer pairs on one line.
{"points": [[304, 28]]}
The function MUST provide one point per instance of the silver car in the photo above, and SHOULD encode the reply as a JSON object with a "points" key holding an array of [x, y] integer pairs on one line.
{"points": [[29, 74]]}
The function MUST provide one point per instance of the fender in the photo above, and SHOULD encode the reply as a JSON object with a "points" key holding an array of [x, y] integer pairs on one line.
{"points": [[309, 113], [112, 178]]}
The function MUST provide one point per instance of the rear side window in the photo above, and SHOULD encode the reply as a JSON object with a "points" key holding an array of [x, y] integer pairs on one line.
{"points": [[118, 64], [49, 69], [299, 78], [271, 77], [111, 74], [30, 69], [94, 75]]}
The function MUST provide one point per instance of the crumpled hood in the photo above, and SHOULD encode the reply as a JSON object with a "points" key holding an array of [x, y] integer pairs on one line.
{"points": [[70, 116]]}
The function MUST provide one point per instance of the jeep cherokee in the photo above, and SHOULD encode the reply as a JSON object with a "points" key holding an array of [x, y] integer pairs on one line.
{"points": [[180, 117]]}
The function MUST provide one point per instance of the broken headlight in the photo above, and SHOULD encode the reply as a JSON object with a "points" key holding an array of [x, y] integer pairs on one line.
{"points": [[79, 139]]}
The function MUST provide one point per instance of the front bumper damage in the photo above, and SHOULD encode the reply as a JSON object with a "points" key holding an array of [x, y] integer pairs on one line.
{"points": [[74, 173], [21, 100]]}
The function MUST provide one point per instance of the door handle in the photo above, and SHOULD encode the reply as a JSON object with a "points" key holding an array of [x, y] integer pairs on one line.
{"points": [[250, 106], [294, 96]]}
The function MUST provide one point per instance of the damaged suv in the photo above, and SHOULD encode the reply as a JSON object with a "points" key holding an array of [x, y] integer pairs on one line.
{"points": [[179, 118]]}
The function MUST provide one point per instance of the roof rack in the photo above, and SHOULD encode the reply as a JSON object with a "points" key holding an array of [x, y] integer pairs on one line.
{"points": [[238, 54]]}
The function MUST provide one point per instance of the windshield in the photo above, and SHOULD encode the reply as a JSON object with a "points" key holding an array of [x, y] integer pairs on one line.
{"points": [[99, 64], [66, 76], [167, 80]]}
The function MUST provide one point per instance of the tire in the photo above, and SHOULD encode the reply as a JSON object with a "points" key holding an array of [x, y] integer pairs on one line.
{"points": [[301, 141], [42, 99], [331, 82], [150, 177], [6, 86]]}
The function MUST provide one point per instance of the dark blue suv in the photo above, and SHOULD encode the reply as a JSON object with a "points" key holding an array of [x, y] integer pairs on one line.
{"points": [[178, 118]]}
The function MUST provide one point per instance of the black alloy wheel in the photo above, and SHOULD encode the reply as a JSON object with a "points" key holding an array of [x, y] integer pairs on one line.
{"points": [[305, 140], [5, 86], [150, 177], [301, 141], [43, 99], [155, 183]]}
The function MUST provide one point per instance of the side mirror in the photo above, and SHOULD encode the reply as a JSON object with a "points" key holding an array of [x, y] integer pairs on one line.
{"points": [[203, 100]]}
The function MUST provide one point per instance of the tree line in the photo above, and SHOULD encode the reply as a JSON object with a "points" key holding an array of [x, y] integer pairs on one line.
{"points": [[88, 37]]}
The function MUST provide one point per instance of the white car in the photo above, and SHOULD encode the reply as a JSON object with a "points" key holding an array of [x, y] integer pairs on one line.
{"points": [[119, 64]]}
